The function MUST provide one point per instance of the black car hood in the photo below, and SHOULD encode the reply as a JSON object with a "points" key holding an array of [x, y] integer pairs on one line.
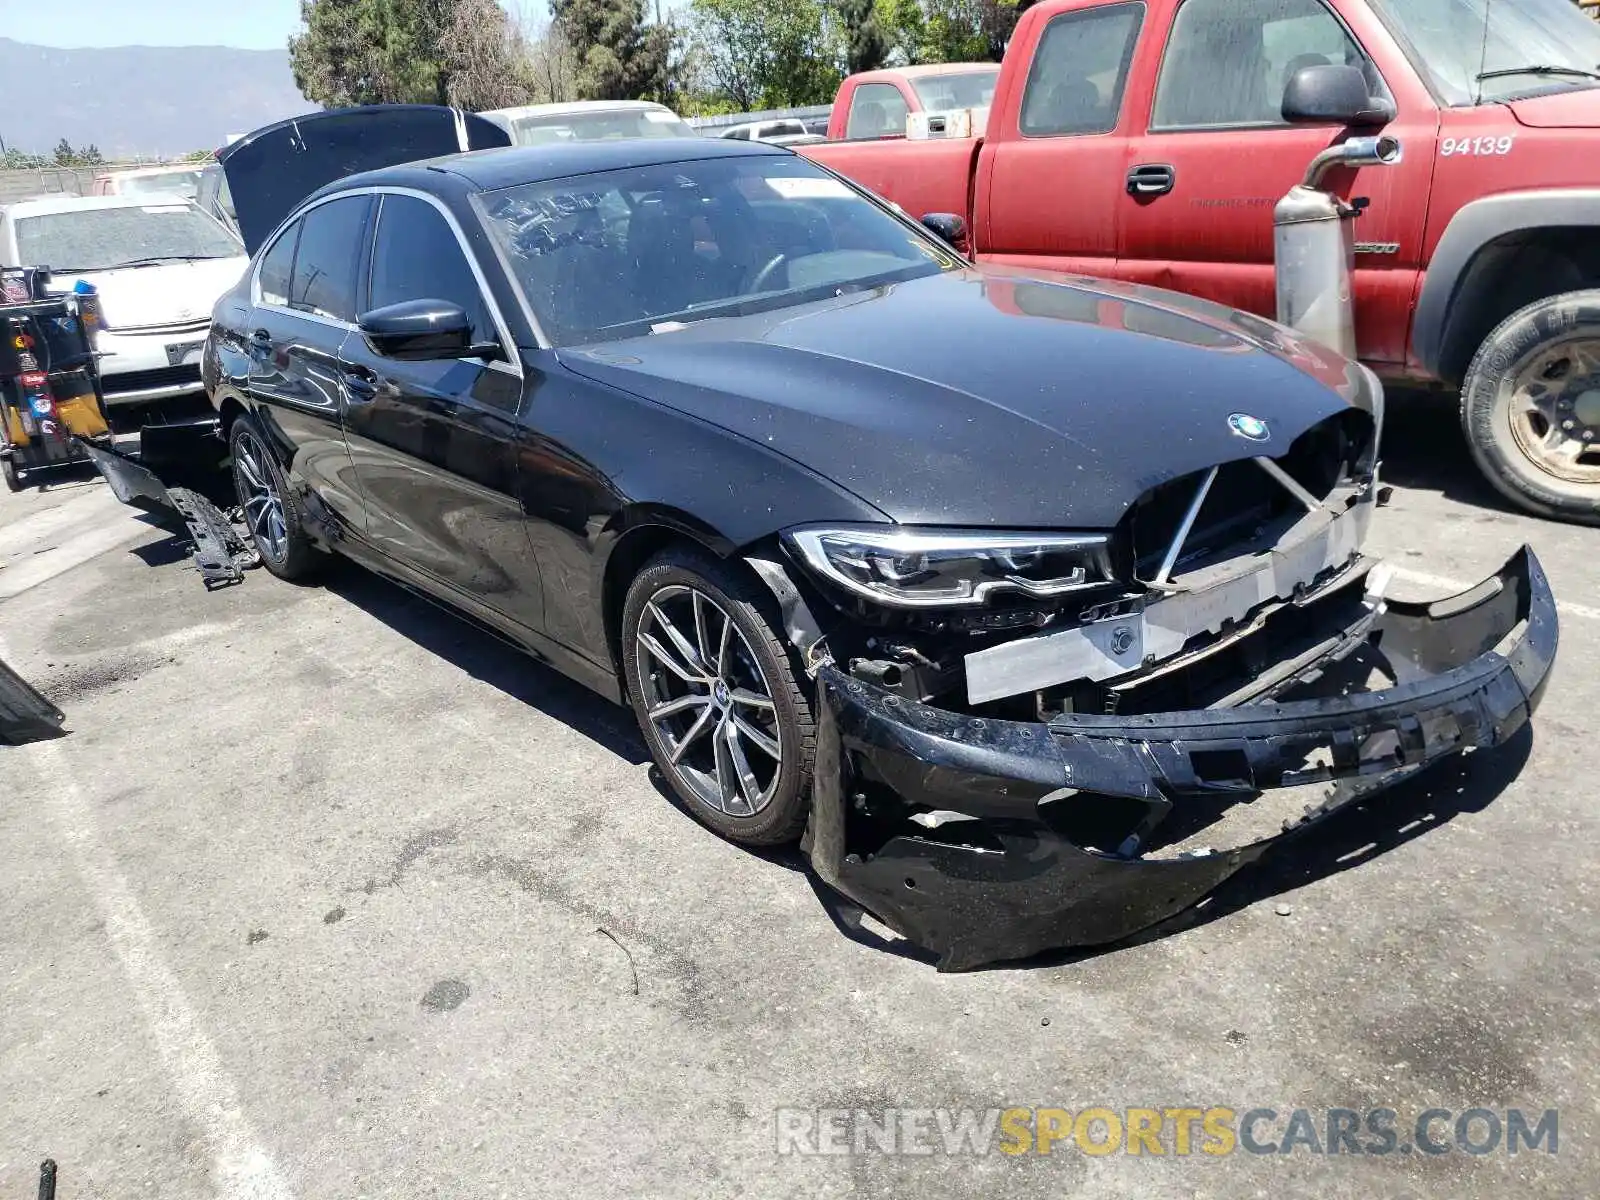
{"points": [[992, 397]]}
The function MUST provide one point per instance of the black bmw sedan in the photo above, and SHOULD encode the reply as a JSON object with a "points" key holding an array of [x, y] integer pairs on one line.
{"points": [[999, 587]]}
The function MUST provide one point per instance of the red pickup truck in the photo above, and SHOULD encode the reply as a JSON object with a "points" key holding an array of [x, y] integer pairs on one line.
{"points": [[1149, 141]]}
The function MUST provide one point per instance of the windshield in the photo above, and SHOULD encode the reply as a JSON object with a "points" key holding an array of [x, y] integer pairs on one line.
{"points": [[620, 253], [168, 183], [969, 89], [599, 126], [99, 239], [1454, 48]]}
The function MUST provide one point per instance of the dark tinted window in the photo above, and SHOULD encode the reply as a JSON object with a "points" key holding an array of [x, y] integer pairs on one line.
{"points": [[617, 254], [277, 266], [325, 265], [417, 257], [1080, 70]]}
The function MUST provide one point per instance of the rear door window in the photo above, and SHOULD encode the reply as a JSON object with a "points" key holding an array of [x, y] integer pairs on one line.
{"points": [[1080, 72], [277, 267], [325, 266], [417, 256], [877, 110]]}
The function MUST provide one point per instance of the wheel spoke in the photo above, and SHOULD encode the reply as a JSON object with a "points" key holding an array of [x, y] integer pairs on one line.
{"points": [[722, 644], [248, 468], [749, 785], [679, 643], [753, 700], [695, 730], [659, 653], [757, 738], [727, 784], [682, 704], [702, 640]]}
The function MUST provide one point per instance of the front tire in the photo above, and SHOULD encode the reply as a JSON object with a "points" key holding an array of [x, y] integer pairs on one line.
{"points": [[272, 512], [718, 697], [8, 471], [1530, 407]]}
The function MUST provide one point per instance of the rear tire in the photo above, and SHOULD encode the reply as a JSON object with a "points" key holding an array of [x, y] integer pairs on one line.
{"points": [[718, 696], [272, 512], [1530, 407], [13, 477]]}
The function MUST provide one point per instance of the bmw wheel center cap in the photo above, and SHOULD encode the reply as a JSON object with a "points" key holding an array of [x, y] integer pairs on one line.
{"points": [[1251, 428]]}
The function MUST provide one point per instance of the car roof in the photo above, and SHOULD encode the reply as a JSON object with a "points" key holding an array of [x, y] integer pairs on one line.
{"points": [[489, 170], [574, 108], [44, 205]]}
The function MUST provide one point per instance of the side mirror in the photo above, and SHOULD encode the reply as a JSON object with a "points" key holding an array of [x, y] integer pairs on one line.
{"points": [[419, 329], [1334, 94], [949, 226]]}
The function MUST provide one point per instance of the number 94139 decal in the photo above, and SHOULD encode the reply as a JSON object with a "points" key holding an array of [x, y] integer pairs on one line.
{"points": [[1476, 145]]}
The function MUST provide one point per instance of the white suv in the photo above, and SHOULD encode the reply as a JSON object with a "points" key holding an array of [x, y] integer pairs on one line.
{"points": [[159, 266]]}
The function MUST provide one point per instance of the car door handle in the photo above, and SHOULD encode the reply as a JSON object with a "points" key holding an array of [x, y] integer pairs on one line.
{"points": [[359, 388], [1152, 179]]}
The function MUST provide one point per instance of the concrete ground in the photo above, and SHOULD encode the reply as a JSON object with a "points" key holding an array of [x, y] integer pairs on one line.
{"points": [[328, 895]]}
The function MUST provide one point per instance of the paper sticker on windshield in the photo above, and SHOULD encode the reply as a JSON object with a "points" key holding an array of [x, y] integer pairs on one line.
{"points": [[660, 118], [808, 187], [163, 208]]}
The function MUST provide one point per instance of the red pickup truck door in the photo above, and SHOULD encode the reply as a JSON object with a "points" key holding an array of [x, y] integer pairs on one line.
{"points": [[1052, 165], [1216, 133]]}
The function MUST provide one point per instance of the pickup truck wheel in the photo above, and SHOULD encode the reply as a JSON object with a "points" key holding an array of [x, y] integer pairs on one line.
{"points": [[8, 469], [1530, 407], [718, 697], [271, 511]]}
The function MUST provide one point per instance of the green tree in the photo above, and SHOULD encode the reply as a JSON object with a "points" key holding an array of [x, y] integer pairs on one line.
{"points": [[617, 55], [20, 160], [967, 30], [866, 47], [768, 53], [66, 156], [904, 30], [462, 52]]}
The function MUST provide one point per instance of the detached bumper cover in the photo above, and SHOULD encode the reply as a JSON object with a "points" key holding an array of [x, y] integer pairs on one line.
{"points": [[986, 840], [25, 715]]}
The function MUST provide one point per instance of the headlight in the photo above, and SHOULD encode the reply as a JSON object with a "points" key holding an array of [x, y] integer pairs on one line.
{"points": [[933, 568]]}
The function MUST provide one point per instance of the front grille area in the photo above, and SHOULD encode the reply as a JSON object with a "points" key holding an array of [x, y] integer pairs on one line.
{"points": [[1244, 500], [156, 377]]}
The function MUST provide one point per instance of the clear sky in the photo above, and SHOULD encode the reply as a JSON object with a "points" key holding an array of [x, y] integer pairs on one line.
{"points": [[248, 24]]}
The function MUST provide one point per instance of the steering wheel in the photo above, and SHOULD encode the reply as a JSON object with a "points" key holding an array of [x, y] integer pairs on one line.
{"points": [[764, 275]]}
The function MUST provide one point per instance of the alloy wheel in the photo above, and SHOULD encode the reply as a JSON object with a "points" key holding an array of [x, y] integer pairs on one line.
{"points": [[708, 701], [1555, 408], [258, 495]]}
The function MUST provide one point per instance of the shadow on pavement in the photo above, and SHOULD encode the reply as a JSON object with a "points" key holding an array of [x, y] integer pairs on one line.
{"points": [[486, 656], [1425, 449]]}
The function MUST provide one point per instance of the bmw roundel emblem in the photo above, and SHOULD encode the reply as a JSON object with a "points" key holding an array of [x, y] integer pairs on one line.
{"points": [[1251, 428]]}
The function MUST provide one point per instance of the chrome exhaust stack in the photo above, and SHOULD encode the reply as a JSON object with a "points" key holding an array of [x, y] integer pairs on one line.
{"points": [[1314, 245]]}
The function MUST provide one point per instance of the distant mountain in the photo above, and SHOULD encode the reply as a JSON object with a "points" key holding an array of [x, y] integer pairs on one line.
{"points": [[146, 100]]}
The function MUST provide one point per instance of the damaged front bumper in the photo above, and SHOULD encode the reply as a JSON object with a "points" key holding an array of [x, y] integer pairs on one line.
{"points": [[25, 715], [985, 840]]}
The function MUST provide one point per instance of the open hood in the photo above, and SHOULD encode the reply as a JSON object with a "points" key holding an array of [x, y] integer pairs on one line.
{"points": [[273, 169]]}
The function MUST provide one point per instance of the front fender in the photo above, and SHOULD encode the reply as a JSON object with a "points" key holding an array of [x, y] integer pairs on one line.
{"points": [[1475, 226]]}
